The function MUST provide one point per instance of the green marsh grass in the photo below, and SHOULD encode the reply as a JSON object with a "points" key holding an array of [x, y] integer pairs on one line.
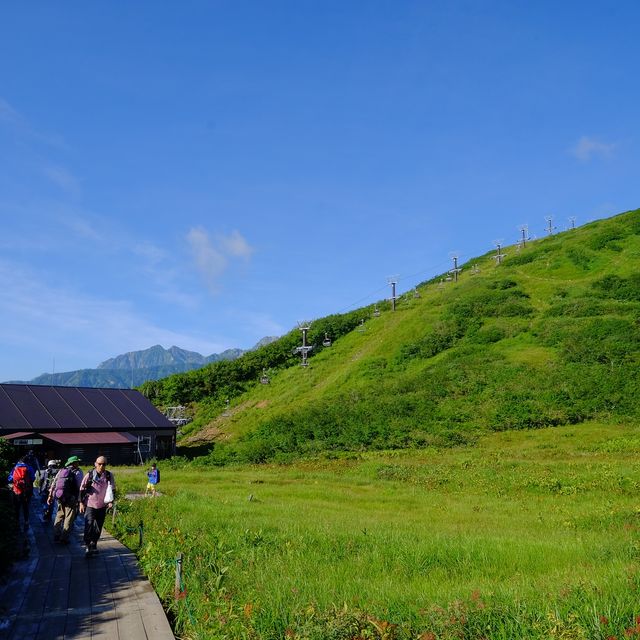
{"points": [[528, 534]]}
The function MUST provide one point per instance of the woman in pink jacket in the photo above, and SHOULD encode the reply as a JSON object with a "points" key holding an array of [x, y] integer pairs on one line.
{"points": [[97, 492]]}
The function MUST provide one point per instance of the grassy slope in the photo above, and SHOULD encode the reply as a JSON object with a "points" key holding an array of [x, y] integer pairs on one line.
{"points": [[528, 534], [527, 343]]}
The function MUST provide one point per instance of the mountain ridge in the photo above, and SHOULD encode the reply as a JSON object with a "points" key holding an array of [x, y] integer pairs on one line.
{"points": [[133, 368]]}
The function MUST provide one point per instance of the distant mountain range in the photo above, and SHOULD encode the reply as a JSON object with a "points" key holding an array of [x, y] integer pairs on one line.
{"points": [[135, 367]]}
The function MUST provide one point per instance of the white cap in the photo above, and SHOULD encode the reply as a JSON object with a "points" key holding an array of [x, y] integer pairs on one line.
{"points": [[52, 463]]}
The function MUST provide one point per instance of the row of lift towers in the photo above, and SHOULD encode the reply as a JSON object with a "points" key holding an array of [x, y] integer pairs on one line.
{"points": [[453, 273], [177, 415]]}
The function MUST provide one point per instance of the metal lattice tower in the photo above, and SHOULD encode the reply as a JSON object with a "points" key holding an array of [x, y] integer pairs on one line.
{"points": [[304, 348], [572, 222], [177, 415], [455, 271], [524, 231], [550, 227], [499, 255], [393, 280]]}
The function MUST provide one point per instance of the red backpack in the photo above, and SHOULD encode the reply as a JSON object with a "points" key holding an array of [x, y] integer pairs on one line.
{"points": [[22, 483]]}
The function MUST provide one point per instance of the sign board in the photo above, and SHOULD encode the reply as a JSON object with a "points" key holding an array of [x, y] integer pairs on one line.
{"points": [[27, 441]]}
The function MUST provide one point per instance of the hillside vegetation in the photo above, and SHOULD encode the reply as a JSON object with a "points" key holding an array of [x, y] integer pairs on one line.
{"points": [[548, 337], [528, 535]]}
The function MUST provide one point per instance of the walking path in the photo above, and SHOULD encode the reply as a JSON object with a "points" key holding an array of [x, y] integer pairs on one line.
{"points": [[58, 594]]}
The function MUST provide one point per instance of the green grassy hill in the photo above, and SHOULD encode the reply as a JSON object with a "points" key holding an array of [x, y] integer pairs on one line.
{"points": [[548, 337]]}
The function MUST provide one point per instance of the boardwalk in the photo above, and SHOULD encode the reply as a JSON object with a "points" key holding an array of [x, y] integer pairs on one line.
{"points": [[58, 594]]}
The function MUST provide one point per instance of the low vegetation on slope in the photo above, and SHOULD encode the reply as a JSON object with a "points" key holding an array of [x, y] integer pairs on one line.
{"points": [[529, 535], [548, 337]]}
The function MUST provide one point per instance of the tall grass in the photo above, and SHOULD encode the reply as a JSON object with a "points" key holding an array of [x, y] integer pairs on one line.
{"points": [[527, 535]]}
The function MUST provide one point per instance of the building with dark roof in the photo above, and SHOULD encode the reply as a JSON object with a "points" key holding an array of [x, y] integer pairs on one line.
{"points": [[58, 422]]}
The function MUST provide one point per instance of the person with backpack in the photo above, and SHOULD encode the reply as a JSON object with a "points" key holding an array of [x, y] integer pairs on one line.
{"points": [[46, 481], [21, 480], [97, 493], [153, 479], [65, 488]]}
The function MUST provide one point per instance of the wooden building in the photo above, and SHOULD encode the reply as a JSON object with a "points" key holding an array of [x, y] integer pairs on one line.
{"points": [[58, 422]]}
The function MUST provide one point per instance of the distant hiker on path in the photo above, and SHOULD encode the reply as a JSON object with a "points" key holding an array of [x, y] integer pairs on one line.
{"points": [[97, 493], [22, 478], [153, 479], [65, 488]]}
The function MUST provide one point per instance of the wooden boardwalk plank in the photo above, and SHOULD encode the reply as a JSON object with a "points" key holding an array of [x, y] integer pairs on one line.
{"points": [[58, 594]]}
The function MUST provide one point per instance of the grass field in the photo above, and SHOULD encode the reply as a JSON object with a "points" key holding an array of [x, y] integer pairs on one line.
{"points": [[527, 534]]}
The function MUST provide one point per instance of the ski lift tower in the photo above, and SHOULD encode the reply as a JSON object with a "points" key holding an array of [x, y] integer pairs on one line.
{"points": [[524, 231], [499, 255], [177, 415], [393, 281], [456, 270], [550, 227], [305, 348]]}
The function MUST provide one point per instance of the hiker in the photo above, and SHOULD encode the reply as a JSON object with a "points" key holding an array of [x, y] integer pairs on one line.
{"points": [[97, 493], [65, 488], [153, 479], [46, 480], [21, 479]]}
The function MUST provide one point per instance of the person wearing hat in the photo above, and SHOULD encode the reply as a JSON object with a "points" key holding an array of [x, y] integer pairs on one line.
{"points": [[53, 466], [66, 490]]}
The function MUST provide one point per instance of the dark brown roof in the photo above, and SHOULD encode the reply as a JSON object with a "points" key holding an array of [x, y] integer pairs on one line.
{"points": [[29, 407]]}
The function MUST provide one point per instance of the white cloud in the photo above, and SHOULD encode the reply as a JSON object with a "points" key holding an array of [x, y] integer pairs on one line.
{"points": [[588, 147], [64, 179], [212, 257], [8, 114], [11, 117], [236, 245], [77, 327]]}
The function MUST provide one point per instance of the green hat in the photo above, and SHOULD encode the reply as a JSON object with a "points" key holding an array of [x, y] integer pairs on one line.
{"points": [[71, 460]]}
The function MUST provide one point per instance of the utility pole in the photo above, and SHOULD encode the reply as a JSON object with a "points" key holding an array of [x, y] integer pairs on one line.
{"points": [[393, 280], [572, 221], [524, 230]]}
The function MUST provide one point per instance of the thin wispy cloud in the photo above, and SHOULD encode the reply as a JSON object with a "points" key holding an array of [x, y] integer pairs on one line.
{"points": [[63, 179], [8, 114], [11, 117], [586, 148], [36, 313], [211, 256]]}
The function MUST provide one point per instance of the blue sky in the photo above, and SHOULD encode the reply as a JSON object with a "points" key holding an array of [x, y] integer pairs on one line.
{"points": [[208, 173]]}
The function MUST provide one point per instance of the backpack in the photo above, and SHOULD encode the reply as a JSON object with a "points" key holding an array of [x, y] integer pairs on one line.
{"points": [[22, 482], [66, 485], [92, 476]]}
